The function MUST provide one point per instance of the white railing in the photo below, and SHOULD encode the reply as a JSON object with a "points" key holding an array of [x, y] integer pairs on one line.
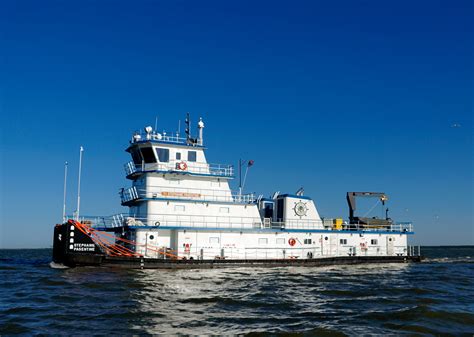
{"points": [[163, 137], [224, 222], [198, 221], [129, 194], [298, 224], [132, 193], [220, 170], [172, 220], [396, 227]]}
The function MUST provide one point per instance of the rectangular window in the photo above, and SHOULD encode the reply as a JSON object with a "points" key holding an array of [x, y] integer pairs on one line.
{"points": [[308, 241], [224, 210], [163, 155], [262, 241], [343, 241], [214, 240], [178, 155], [179, 208], [280, 206], [192, 156], [137, 157], [268, 209], [374, 242], [280, 241], [148, 155]]}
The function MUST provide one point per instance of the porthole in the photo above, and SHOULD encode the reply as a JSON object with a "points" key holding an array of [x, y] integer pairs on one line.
{"points": [[152, 237], [326, 238]]}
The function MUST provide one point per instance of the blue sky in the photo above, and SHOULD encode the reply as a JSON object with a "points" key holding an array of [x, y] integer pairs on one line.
{"points": [[333, 96]]}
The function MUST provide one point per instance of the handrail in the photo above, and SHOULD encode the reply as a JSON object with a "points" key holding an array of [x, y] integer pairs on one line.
{"points": [[227, 222], [155, 136], [132, 193], [221, 170]]}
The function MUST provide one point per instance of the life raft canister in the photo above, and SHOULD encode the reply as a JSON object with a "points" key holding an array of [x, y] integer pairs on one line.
{"points": [[292, 242], [182, 166]]}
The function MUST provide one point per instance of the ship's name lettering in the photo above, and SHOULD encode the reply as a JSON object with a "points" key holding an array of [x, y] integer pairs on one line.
{"points": [[84, 247]]}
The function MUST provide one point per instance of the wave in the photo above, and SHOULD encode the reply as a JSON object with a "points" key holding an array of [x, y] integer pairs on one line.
{"points": [[459, 259], [57, 265]]}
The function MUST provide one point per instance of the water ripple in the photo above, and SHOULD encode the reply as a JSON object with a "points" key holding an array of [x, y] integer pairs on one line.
{"points": [[435, 297]]}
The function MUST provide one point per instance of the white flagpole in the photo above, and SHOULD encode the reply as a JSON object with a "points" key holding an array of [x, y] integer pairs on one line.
{"points": [[245, 178], [79, 184], [65, 189]]}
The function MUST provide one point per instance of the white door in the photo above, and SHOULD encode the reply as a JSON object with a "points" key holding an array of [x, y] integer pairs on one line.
{"points": [[150, 241], [390, 245], [325, 245]]}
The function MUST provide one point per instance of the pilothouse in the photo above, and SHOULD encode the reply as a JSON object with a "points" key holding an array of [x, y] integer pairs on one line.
{"points": [[183, 214]]}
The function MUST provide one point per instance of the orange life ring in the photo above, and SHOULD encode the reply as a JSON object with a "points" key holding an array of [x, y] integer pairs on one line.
{"points": [[183, 166], [292, 242]]}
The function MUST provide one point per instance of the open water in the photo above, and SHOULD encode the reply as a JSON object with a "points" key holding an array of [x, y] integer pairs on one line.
{"points": [[432, 298]]}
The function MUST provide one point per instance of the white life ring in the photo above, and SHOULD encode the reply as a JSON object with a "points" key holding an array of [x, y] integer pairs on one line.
{"points": [[182, 166]]}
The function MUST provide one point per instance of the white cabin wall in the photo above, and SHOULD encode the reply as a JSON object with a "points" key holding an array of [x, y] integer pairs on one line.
{"points": [[151, 240], [268, 244], [203, 214], [311, 215], [199, 188]]}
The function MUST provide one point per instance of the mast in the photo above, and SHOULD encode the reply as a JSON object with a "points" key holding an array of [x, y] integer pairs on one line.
{"points": [[65, 190], [81, 150]]}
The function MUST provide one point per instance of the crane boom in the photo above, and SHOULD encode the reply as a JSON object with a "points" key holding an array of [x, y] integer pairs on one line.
{"points": [[351, 200]]}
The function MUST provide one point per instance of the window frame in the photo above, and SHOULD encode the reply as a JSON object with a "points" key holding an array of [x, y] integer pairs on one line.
{"points": [[167, 151], [148, 153], [224, 210], [137, 157], [194, 155], [214, 240], [280, 241]]}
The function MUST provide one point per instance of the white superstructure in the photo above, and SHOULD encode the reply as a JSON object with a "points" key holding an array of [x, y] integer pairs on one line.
{"points": [[180, 202]]}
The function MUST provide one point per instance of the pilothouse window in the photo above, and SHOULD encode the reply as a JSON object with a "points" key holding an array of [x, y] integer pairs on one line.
{"points": [[163, 155], [148, 155], [137, 157], [192, 156]]}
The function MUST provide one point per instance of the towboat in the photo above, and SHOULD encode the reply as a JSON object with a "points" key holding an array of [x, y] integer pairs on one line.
{"points": [[183, 214]]}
